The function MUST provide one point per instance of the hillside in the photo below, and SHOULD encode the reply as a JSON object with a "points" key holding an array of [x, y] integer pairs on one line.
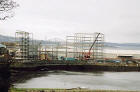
{"points": [[108, 45]]}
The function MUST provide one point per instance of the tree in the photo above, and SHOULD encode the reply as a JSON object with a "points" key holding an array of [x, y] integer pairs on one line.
{"points": [[6, 7]]}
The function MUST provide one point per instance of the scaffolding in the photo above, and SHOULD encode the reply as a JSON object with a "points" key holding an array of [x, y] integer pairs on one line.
{"points": [[51, 49], [24, 43], [80, 44]]}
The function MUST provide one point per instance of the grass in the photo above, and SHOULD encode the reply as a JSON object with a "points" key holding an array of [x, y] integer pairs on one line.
{"points": [[61, 90]]}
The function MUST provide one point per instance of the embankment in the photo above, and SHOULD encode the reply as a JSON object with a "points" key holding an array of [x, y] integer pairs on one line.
{"points": [[79, 68], [4, 77]]}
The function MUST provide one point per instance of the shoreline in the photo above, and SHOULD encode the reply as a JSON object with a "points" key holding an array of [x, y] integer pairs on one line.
{"points": [[73, 66], [84, 68], [63, 90]]}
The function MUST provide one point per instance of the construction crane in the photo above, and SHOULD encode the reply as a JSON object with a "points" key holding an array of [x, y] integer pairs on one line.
{"points": [[88, 54]]}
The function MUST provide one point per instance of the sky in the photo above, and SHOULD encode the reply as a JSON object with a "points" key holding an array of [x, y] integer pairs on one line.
{"points": [[118, 20]]}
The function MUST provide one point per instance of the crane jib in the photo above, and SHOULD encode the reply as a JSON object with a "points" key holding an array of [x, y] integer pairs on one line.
{"points": [[94, 42]]}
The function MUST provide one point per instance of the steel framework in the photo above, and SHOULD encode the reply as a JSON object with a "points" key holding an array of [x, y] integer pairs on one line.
{"points": [[23, 42], [51, 49], [82, 43]]}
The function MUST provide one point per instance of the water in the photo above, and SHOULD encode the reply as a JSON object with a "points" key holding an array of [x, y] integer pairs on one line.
{"points": [[91, 80]]}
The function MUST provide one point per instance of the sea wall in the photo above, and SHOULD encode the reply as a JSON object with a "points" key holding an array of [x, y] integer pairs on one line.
{"points": [[79, 68]]}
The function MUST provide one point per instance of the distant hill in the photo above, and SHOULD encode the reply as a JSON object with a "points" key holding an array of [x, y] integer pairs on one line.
{"points": [[127, 46], [108, 45], [6, 39]]}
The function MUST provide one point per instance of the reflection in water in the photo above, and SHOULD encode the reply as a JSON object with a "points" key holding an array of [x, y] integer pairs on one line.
{"points": [[91, 80]]}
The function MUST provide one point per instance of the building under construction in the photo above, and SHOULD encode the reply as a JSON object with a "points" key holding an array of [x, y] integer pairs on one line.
{"points": [[85, 46], [52, 50], [25, 46], [80, 46]]}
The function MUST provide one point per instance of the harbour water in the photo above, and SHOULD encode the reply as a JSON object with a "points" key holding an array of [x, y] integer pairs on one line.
{"points": [[90, 80]]}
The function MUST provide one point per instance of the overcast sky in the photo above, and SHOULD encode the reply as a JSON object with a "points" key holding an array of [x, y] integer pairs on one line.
{"points": [[119, 20]]}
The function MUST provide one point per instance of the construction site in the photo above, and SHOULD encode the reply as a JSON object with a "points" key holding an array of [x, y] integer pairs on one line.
{"points": [[78, 52], [84, 49], [80, 46]]}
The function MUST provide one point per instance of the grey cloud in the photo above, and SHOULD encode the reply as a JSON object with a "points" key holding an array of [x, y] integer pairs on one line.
{"points": [[118, 19]]}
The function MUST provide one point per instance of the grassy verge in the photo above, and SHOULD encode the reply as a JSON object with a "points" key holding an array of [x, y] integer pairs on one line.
{"points": [[61, 90]]}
